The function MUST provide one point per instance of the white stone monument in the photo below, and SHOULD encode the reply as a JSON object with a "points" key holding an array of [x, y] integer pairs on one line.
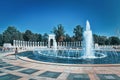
{"points": [[52, 36]]}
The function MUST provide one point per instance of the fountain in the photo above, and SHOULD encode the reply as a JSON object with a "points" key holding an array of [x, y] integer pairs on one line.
{"points": [[88, 41], [87, 51], [55, 45], [88, 55]]}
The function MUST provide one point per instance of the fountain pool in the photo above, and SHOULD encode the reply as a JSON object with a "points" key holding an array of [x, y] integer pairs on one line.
{"points": [[74, 57], [88, 55]]}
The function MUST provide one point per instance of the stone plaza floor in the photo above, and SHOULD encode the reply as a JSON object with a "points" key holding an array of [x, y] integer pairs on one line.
{"points": [[12, 69]]}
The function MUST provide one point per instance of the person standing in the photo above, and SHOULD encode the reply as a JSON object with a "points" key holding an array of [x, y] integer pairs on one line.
{"points": [[16, 51]]}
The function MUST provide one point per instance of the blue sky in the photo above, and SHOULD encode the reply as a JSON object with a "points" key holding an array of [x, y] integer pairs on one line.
{"points": [[40, 16]]}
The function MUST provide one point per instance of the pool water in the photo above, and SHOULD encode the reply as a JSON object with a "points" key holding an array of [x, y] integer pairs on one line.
{"points": [[111, 58]]}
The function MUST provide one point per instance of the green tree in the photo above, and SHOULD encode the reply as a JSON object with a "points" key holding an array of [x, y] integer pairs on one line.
{"points": [[73, 38], [102, 40], [36, 37], [67, 38], [78, 33], [59, 32], [95, 38], [11, 34], [28, 35], [1, 39], [107, 42], [45, 37], [39, 37], [114, 40]]}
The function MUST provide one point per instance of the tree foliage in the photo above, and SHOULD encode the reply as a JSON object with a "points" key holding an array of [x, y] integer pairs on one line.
{"points": [[11, 34], [45, 37], [95, 38], [28, 35], [1, 40], [67, 38], [103, 40], [59, 32], [114, 40], [78, 33]]}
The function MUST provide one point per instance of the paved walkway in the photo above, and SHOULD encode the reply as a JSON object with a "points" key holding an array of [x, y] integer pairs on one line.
{"points": [[12, 69]]}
